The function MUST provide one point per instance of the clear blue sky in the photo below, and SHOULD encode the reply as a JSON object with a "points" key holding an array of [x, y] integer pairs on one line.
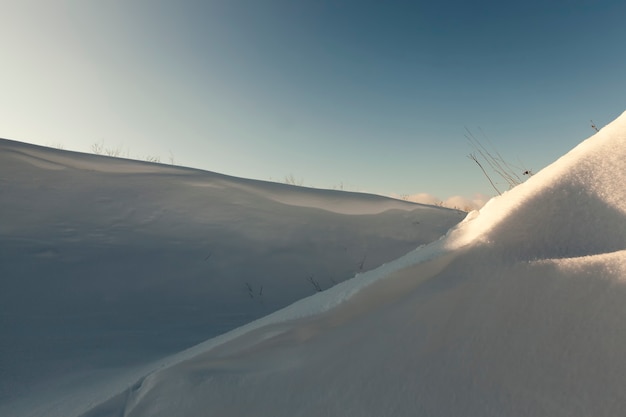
{"points": [[375, 95]]}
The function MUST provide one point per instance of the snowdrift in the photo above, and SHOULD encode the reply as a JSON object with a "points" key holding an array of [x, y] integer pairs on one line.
{"points": [[519, 311], [108, 265]]}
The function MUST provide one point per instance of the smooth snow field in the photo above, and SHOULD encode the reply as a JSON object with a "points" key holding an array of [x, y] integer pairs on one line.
{"points": [[519, 310], [109, 265]]}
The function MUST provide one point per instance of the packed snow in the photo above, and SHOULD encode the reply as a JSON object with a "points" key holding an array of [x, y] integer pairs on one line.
{"points": [[108, 266], [519, 311]]}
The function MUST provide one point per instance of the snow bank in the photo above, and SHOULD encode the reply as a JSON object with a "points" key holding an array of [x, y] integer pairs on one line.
{"points": [[520, 310], [573, 207], [108, 265]]}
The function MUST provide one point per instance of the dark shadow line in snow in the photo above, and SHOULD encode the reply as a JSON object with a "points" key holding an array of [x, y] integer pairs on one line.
{"points": [[563, 222]]}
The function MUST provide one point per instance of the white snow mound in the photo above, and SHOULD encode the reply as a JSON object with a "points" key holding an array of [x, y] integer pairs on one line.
{"points": [[109, 265], [519, 311]]}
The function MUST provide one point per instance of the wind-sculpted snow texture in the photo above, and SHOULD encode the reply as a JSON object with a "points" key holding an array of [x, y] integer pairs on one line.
{"points": [[519, 311], [108, 265]]}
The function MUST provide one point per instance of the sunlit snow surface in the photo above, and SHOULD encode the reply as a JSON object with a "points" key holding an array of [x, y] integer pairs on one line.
{"points": [[107, 265], [519, 311]]}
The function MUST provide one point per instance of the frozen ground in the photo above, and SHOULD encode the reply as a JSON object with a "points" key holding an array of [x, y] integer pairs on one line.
{"points": [[107, 265], [519, 311]]}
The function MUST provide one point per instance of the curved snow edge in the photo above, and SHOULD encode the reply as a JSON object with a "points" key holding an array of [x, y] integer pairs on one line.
{"points": [[315, 304]]}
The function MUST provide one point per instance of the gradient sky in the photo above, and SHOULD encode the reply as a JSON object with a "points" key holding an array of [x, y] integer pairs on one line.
{"points": [[369, 94]]}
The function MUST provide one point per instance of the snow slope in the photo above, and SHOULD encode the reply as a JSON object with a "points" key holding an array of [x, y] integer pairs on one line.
{"points": [[519, 311], [108, 265]]}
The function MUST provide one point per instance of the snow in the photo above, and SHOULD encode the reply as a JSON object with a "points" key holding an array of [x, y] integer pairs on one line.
{"points": [[519, 310], [107, 266]]}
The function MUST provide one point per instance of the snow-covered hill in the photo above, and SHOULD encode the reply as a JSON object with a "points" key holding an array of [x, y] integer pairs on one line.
{"points": [[519, 311], [107, 265]]}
